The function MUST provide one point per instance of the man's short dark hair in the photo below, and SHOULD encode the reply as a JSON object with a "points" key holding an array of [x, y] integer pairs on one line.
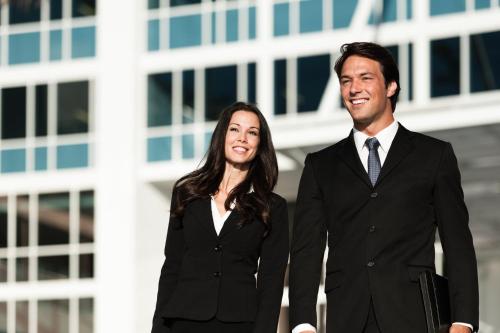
{"points": [[375, 52]]}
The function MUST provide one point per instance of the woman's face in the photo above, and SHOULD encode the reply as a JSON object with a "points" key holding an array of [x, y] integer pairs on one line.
{"points": [[242, 138]]}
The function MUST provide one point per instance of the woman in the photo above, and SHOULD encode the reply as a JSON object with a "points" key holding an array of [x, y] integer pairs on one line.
{"points": [[225, 221]]}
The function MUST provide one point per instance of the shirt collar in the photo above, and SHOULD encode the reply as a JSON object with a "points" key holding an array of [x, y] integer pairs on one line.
{"points": [[384, 137]]}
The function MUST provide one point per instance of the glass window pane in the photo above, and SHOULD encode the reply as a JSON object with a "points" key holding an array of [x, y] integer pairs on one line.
{"points": [[86, 315], [252, 23], [3, 278], [281, 19], [343, 11], [13, 113], [24, 11], [83, 42], [484, 65], [83, 8], [159, 149], [188, 146], [41, 110], [188, 96], [481, 4], [208, 138], [232, 25], [159, 99], [153, 4], [409, 9], [3, 313], [24, 48], [40, 158], [86, 263], [445, 67], [55, 9], [22, 269], [22, 316], [86, 216], [3, 222], [312, 76], [53, 316], [55, 45], [252, 83], [153, 35], [439, 7], [311, 15], [13, 160], [22, 220], [220, 90], [174, 3], [72, 156], [53, 218], [73, 107], [394, 51], [213, 28], [185, 31], [280, 86], [53, 268]]}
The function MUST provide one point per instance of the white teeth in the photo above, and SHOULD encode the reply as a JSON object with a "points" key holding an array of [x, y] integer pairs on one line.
{"points": [[359, 101], [240, 149]]}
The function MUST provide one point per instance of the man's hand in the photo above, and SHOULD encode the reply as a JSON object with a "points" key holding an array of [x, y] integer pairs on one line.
{"points": [[456, 328]]}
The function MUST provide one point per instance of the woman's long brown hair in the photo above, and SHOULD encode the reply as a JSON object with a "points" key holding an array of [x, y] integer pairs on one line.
{"points": [[262, 173]]}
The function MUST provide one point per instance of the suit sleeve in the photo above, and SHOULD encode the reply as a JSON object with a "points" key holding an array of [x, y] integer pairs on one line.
{"points": [[174, 247], [271, 273], [307, 249], [456, 238]]}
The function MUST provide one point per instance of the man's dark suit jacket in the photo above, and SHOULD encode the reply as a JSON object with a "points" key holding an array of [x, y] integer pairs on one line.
{"points": [[206, 275], [380, 237]]}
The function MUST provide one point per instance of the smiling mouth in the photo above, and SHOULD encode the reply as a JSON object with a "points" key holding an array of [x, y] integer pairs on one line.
{"points": [[240, 150], [359, 101]]}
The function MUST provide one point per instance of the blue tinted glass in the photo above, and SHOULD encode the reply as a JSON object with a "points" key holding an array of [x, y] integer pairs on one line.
{"points": [[409, 9], [280, 86], [281, 14], [220, 90], [185, 31], [445, 67], [55, 45], [480, 4], [159, 99], [232, 25], [40, 158], [388, 13], [252, 19], [83, 42], [188, 146], [484, 65], [311, 16], [24, 48], [152, 4], [251, 83], [439, 7], [82, 8], [214, 27], [188, 96], [72, 156], [24, 11], [55, 9], [208, 137], [343, 10], [312, 76], [153, 35], [13, 160], [159, 149]]}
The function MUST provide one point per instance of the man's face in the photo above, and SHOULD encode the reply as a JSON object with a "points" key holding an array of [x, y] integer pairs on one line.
{"points": [[364, 92]]}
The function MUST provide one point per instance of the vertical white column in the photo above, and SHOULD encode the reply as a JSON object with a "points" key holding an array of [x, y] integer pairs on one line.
{"points": [[265, 76], [116, 118], [421, 56]]}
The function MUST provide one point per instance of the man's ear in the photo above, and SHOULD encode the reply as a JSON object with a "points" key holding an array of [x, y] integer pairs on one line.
{"points": [[391, 88]]}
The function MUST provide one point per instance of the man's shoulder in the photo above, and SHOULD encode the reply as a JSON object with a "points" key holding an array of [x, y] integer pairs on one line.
{"points": [[329, 151], [426, 141]]}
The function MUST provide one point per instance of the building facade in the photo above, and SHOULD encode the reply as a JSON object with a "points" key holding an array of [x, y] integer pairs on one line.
{"points": [[104, 104]]}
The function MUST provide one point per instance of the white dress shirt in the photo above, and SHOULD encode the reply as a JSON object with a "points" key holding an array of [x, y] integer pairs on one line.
{"points": [[218, 219], [385, 138]]}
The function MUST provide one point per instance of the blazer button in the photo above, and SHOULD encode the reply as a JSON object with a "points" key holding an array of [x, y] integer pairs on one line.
{"points": [[372, 228], [370, 264], [374, 195], [218, 248], [217, 274]]}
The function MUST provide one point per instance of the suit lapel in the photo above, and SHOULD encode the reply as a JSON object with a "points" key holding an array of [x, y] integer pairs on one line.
{"points": [[350, 156], [204, 212], [230, 224], [401, 146]]}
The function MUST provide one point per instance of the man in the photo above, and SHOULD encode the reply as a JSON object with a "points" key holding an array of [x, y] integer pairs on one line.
{"points": [[379, 195]]}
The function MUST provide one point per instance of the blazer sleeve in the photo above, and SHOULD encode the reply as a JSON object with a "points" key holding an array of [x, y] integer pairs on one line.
{"points": [[456, 238], [174, 248], [272, 266], [307, 248]]}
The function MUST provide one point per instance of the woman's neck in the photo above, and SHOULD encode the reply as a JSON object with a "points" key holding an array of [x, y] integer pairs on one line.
{"points": [[232, 177]]}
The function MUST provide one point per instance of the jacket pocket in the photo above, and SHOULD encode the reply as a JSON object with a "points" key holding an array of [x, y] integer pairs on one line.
{"points": [[414, 271], [333, 280]]}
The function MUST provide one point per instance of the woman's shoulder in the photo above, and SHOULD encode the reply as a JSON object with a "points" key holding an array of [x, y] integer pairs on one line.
{"points": [[277, 200]]}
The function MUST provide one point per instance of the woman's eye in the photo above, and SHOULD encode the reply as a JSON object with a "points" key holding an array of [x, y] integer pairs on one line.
{"points": [[254, 133], [233, 129]]}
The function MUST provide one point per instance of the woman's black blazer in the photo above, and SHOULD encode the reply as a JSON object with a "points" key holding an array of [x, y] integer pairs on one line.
{"points": [[206, 275]]}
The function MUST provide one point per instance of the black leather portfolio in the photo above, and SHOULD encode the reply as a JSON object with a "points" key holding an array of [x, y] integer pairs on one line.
{"points": [[436, 302]]}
